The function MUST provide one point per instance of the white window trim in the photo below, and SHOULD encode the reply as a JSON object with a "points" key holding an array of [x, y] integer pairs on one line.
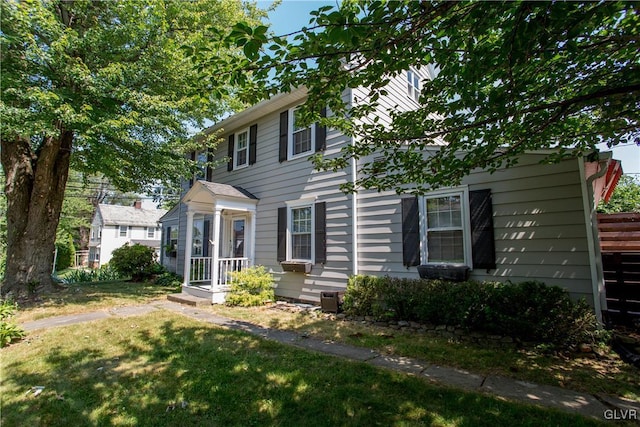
{"points": [[120, 231], [236, 151], [463, 192], [153, 230], [202, 166], [290, 142], [418, 89], [296, 204]]}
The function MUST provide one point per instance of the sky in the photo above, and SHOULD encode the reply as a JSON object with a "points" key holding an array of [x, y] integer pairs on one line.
{"points": [[292, 15]]}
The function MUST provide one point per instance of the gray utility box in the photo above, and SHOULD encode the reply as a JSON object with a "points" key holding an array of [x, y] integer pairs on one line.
{"points": [[331, 301]]}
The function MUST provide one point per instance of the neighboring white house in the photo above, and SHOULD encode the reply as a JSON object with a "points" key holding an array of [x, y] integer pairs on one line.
{"points": [[268, 206], [115, 225]]}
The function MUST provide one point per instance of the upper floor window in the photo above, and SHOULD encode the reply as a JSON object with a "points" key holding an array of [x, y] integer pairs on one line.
{"points": [[297, 141], [201, 158], [242, 149], [151, 232], [301, 140], [413, 85], [124, 229]]}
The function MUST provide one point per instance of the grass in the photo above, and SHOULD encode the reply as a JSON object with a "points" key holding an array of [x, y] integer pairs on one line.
{"points": [[165, 369], [86, 297], [607, 374], [603, 375]]}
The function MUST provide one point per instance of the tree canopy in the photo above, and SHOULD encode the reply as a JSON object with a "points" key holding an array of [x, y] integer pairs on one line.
{"points": [[117, 75], [625, 198], [107, 87], [511, 77]]}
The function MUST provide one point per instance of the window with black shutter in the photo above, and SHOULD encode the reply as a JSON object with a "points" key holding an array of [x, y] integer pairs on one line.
{"points": [[410, 232], [230, 151], [457, 229], [296, 235], [284, 136], [253, 144], [482, 236]]}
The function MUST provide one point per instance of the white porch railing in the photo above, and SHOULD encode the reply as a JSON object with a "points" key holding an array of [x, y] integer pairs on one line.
{"points": [[201, 271], [229, 265]]}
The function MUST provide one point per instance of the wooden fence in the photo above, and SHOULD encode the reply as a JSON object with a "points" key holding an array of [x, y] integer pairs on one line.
{"points": [[620, 246]]}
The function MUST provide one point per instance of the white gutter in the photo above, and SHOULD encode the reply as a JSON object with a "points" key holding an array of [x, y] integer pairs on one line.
{"points": [[593, 244]]}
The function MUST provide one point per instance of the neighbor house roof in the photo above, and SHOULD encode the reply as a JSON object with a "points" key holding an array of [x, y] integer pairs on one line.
{"points": [[129, 215]]}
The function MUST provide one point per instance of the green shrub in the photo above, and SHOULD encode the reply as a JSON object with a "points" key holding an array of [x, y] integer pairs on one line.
{"points": [[529, 311], [66, 254], [250, 287], [137, 261], [168, 279], [104, 273], [9, 331]]}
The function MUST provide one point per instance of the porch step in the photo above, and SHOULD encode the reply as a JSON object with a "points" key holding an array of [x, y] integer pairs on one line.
{"points": [[185, 298]]}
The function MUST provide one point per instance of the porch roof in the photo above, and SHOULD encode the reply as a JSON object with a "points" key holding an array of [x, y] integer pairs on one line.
{"points": [[226, 190], [228, 196]]}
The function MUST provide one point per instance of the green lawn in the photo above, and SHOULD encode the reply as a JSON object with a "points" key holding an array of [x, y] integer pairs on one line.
{"points": [[166, 369], [167, 354], [587, 373]]}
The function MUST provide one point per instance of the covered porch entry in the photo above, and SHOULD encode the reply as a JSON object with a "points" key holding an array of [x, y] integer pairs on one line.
{"points": [[220, 237]]}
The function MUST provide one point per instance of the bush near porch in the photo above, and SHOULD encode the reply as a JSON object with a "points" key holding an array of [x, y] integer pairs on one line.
{"points": [[529, 311], [251, 287]]}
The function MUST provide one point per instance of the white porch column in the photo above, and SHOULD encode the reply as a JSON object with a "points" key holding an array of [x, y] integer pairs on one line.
{"points": [[188, 244], [215, 256], [252, 237]]}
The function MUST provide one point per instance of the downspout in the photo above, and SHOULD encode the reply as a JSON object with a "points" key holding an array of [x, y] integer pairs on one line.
{"points": [[354, 203], [597, 274]]}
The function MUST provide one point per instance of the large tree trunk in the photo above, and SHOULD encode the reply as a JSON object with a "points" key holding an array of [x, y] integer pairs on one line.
{"points": [[35, 184]]}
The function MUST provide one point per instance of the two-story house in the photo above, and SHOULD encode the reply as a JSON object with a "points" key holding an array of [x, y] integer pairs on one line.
{"points": [[113, 226], [268, 206]]}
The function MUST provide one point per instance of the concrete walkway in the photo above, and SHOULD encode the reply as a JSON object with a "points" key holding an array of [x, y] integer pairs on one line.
{"points": [[601, 407]]}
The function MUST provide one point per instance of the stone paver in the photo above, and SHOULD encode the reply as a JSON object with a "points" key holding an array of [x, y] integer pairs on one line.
{"points": [[567, 400], [137, 310], [399, 363], [71, 319], [453, 377], [546, 395]]}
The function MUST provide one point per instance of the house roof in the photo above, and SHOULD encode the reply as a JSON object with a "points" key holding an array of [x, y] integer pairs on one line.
{"points": [[172, 214], [149, 243], [256, 111], [129, 215], [227, 190]]}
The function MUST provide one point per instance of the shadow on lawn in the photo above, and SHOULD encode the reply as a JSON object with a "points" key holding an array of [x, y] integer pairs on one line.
{"points": [[588, 373], [92, 292], [178, 374]]}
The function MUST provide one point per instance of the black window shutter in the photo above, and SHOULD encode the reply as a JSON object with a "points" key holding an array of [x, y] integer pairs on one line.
{"points": [[321, 232], [167, 241], [209, 163], [230, 153], [205, 239], [321, 133], [253, 143], [284, 135], [193, 159], [410, 232], [282, 234], [482, 239]]}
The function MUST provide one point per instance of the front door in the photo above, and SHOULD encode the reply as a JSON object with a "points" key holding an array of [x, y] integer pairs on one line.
{"points": [[237, 238]]}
